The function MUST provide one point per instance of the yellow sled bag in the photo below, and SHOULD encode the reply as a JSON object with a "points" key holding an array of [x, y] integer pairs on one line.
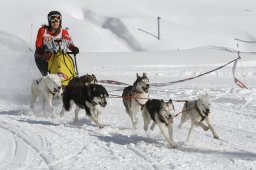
{"points": [[63, 65]]}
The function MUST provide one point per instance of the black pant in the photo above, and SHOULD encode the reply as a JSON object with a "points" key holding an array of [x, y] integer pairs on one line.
{"points": [[41, 64]]}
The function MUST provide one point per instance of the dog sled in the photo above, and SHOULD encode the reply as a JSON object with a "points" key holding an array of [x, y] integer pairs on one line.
{"points": [[61, 62]]}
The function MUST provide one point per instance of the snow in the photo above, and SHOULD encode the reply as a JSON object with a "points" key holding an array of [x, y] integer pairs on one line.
{"points": [[196, 36]]}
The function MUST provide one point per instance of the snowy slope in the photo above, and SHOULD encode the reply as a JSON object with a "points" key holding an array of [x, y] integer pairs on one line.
{"points": [[196, 36], [183, 24]]}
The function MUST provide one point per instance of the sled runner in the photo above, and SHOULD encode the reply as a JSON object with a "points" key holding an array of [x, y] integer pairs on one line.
{"points": [[61, 62]]}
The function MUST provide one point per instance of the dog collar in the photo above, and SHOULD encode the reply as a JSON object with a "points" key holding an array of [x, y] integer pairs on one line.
{"points": [[142, 105], [93, 103], [198, 110], [134, 90], [51, 92]]}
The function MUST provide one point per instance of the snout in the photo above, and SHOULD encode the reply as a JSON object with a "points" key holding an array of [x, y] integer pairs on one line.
{"points": [[57, 89], [170, 118], [208, 110], [169, 121], [146, 88], [103, 104]]}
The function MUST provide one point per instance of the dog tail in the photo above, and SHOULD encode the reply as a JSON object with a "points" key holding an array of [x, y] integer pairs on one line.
{"points": [[66, 101]]}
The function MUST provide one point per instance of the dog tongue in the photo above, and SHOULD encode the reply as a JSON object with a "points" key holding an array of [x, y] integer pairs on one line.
{"points": [[170, 121]]}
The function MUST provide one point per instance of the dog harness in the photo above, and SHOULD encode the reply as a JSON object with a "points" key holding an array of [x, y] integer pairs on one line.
{"points": [[134, 90], [162, 119], [94, 103], [198, 110], [38, 81], [53, 93]]}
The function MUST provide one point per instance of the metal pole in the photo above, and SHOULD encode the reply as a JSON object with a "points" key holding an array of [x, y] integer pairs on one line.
{"points": [[77, 74], [31, 28], [158, 25]]}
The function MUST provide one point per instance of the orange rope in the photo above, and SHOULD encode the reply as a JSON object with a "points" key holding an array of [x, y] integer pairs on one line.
{"points": [[132, 97], [126, 97], [182, 112]]}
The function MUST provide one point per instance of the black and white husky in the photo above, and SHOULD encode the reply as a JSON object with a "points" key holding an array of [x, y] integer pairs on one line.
{"points": [[134, 97], [85, 97], [162, 114], [198, 112]]}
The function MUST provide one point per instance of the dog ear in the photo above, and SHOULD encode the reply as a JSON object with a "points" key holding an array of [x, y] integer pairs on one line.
{"points": [[48, 76], [89, 93], [170, 101], [144, 75], [94, 77], [199, 99], [162, 103], [160, 107], [137, 75]]}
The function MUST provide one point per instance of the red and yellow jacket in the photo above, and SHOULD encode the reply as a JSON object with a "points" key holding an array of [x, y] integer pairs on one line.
{"points": [[44, 33]]}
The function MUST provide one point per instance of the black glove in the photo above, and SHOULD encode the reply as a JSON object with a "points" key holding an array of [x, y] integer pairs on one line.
{"points": [[75, 50], [40, 50]]}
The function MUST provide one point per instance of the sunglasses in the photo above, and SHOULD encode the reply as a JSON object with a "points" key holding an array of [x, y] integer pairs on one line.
{"points": [[55, 17]]}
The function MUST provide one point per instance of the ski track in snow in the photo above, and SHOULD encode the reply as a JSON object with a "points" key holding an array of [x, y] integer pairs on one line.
{"points": [[21, 135]]}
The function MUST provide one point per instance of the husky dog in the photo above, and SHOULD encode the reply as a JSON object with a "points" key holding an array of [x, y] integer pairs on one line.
{"points": [[161, 113], [197, 111], [85, 97], [46, 86], [84, 80], [134, 97]]}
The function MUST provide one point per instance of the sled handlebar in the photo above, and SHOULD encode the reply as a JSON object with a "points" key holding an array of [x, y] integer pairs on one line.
{"points": [[75, 62], [71, 53], [58, 41]]}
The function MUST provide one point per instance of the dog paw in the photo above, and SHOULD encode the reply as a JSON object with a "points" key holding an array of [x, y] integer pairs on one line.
{"points": [[100, 126], [173, 146], [206, 128], [134, 125], [51, 111], [75, 121], [152, 127], [61, 114], [216, 137]]}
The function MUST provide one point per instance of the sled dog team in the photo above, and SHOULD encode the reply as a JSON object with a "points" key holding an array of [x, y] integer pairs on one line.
{"points": [[87, 94]]}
